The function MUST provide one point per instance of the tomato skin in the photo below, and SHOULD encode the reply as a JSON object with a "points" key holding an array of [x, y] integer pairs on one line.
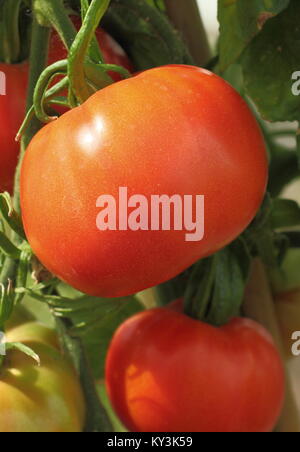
{"points": [[33, 331], [43, 399], [166, 372], [12, 111], [156, 133]]}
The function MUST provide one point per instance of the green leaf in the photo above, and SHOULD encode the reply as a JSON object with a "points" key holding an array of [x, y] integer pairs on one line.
{"points": [[93, 319], [102, 325], [285, 213], [146, 34], [6, 303], [286, 278], [8, 248], [269, 64], [97, 419], [22, 272], [24, 349], [231, 275], [199, 288], [260, 237], [159, 4], [240, 21], [171, 290], [216, 287], [283, 169]]}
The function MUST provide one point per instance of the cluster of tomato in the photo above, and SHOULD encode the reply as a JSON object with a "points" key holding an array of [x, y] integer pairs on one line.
{"points": [[170, 130]]}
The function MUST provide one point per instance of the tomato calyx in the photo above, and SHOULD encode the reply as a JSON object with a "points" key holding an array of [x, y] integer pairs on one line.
{"points": [[215, 289]]}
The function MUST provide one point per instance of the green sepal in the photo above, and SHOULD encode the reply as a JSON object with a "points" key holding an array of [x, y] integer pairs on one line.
{"points": [[10, 215]]}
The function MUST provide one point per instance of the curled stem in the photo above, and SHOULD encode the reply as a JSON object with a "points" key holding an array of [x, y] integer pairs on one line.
{"points": [[40, 92], [49, 99], [79, 50]]}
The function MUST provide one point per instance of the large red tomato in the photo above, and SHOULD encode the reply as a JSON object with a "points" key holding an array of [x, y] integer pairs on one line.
{"points": [[166, 372], [12, 111], [170, 130]]}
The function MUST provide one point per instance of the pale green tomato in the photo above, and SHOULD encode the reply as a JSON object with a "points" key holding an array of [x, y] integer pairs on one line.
{"points": [[42, 399]]}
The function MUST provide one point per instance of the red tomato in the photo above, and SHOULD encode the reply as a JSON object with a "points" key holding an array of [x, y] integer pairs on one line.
{"points": [[111, 50], [166, 372], [12, 111], [170, 130]]}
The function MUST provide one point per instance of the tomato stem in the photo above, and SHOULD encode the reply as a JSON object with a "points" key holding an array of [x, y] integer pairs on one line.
{"points": [[79, 50], [40, 92], [38, 61], [97, 418], [200, 285], [10, 47], [52, 13]]}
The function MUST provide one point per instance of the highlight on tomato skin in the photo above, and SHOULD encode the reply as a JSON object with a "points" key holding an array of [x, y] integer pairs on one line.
{"points": [[169, 130], [166, 372]]}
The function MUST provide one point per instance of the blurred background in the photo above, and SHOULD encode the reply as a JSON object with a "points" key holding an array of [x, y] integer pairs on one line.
{"points": [[208, 10]]}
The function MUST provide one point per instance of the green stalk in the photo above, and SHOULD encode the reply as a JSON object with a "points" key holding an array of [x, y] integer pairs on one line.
{"points": [[97, 419], [38, 61], [53, 13], [10, 46], [80, 48], [40, 92]]}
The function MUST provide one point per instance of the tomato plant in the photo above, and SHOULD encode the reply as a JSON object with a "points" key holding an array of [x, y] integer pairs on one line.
{"points": [[166, 372], [45, 398], [156, 133], [157, 180], [12, 110]]}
